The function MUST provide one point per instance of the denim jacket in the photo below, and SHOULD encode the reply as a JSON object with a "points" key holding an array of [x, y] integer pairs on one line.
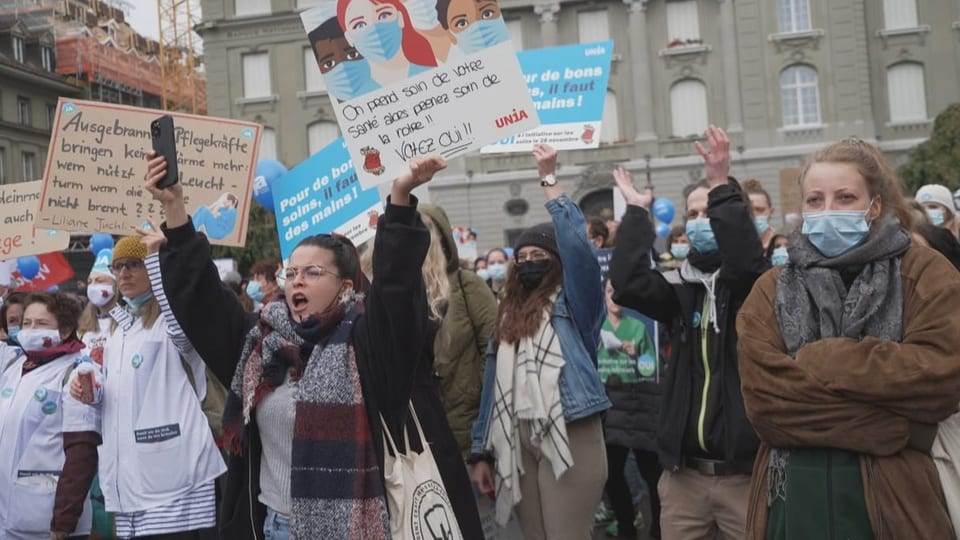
{"points": [[577, 317]]}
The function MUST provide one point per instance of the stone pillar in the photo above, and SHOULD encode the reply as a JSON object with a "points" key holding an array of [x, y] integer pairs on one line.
{"points": [[731, 70], [640, 67], [548, 12]]}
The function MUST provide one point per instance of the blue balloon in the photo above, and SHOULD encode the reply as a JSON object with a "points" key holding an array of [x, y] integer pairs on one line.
{"points": [[663, 210], [268, 171], [663, 230], [28, 267], [100, 242]]}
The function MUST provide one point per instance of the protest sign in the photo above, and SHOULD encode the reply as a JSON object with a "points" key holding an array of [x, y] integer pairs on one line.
{"points": [[18, 211], [569, 87], [322, 195], [93, 180], [405, 83], [466, 239], [54, 270]]}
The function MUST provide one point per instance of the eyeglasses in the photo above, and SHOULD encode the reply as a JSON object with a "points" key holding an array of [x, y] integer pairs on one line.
{"points": [[310, 273], [537, 255], [131, 265]]}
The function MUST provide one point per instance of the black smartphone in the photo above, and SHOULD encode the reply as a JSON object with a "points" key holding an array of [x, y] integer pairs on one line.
{"points": [[161, 131]]}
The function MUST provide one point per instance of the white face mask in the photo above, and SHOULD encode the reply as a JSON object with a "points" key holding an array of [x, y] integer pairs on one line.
{"points": [[100, 295], [38, 339]]}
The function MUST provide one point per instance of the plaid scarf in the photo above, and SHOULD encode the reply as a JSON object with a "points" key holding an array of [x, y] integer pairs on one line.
{"points": [[335, 478], [527, 390]]}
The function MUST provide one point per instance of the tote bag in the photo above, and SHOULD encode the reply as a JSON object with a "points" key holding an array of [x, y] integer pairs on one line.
{"points": [[419, 506], [946, 456]]}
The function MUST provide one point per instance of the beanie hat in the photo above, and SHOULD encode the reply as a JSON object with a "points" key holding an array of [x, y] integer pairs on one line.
{"points": [[542, 236], [129, 247], [101, 264], [937, 194]]}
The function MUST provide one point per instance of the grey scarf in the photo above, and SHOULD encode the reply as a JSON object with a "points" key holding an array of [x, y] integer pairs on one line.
{"points": [[813, 303]]}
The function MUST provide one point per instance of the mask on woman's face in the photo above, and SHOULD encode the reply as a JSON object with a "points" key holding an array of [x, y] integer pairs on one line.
{"points": [[254, 292], [380, 41], [701, 235], [13, 331], [100, 295], [532, 272], [33, 340], [936, 216], [423, 14], [345, 80], [779, 257], [482, 272], [834, 233], [680, 251], [497, 271], [482, 34], [762, 223]]}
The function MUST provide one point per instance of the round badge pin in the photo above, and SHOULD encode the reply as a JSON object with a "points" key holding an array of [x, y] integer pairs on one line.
{"points": [[137, 360], [7, 392], [40, 394], [49, 407]]}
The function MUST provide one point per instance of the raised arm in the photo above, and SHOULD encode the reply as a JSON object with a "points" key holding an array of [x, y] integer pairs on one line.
{"points": [[209, 314]]}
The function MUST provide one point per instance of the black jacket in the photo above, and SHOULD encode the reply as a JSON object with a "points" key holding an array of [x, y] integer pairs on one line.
{"points": [[391, 339], [687, 425]]}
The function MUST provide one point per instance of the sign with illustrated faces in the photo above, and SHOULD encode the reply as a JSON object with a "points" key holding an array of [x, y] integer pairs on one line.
{"points": [[97, 164], [18, 211], [418, 77], [568, 85], [322, 195]]}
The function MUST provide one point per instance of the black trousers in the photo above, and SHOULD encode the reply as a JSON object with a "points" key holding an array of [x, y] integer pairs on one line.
{"points": [[619, 491]]}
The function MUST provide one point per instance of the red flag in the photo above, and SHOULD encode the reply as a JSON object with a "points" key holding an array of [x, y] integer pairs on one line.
{"points": [[54, 270]]}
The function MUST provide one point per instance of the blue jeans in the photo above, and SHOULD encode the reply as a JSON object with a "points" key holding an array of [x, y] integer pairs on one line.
{"points": [[276, 526]]}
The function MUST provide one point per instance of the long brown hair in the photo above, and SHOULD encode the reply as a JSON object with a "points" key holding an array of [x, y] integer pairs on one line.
{"points": [[521, 310]]}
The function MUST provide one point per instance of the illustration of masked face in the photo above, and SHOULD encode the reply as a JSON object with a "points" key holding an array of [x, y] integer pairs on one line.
{"points": [[423, 13], [379, 41], [482, 34], [348, 80]]}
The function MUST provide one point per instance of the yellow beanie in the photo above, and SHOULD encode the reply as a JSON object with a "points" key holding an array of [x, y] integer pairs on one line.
{"points": [[129, 247]]}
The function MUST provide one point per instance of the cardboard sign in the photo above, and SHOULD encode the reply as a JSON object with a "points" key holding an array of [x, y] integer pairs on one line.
{"points": [[19, 204], [569, 87], [322, 195], [405, 84], [93, 181], [466, 239], [54, 270]]}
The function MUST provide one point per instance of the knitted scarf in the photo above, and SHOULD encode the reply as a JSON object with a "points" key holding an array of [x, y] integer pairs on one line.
{"points": [[813, 303], [336, 484]]}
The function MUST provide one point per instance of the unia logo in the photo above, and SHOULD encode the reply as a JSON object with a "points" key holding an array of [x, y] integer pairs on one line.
{"points": [[512, 118]]}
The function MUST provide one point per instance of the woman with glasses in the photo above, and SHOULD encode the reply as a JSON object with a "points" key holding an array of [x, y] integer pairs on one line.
{"points": [[539, 429], [158, 460], [312, 373]]}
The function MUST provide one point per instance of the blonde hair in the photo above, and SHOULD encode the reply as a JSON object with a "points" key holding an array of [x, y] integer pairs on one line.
{"points": [[89, 319], [881, 180]]}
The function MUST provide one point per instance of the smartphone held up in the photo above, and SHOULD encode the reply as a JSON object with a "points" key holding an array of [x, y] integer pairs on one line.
{"points": [[164, 144]]}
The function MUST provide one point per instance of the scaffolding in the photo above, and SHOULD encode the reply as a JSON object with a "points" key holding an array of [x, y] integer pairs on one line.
{"points": [[183, 85]]}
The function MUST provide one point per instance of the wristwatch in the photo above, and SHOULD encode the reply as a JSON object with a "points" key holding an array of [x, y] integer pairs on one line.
{"points": [[548, 180]]}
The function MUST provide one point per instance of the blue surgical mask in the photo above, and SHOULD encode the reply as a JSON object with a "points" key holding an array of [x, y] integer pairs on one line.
{"points": [[701, 235], [380, 41], [497, 271], [347, 78], [762, 223], [834, 233], [484, 275], [482, 34], [779, 257], [936, 216], [137, 301], [680, 251], [423, 13], [254, 292], [12, 331]]}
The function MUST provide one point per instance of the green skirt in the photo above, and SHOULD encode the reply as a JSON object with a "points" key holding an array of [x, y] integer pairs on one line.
{"points": [[824, 498]]}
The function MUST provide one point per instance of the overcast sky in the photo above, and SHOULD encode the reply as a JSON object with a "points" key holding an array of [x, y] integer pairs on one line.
{"points": [[143, 17]]}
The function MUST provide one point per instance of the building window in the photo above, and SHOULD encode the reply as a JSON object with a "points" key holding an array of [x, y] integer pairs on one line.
{"points": [[899, 14], [268, 144], [51, 115], [313, 79], [794, 15], [251, 7], [256, 75], [683, 23], [27, 166], [320, 134], [46, 56], [18, 49], [515, 28], [906, 92], [688, 108], [23, 111], [610, 125], [799, 96], [593, 26]]}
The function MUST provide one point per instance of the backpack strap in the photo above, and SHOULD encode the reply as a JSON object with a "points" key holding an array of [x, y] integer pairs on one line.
{"points": [[473, 325]]}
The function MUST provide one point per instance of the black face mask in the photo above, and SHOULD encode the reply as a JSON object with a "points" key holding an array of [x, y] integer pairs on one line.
{"points": [[532, 272]]}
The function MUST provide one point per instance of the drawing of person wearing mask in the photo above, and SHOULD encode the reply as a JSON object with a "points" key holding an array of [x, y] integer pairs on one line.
{"points": [[218, 219], [381, 30], [473, 24], [345, 71], [426, 20]]}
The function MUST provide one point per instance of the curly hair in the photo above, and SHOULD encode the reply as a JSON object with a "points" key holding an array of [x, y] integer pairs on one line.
{"points": [[64, 308]]}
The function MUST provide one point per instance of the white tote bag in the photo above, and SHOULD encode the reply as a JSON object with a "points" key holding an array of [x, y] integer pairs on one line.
{"points": [[419, 506], [946, 456]]}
